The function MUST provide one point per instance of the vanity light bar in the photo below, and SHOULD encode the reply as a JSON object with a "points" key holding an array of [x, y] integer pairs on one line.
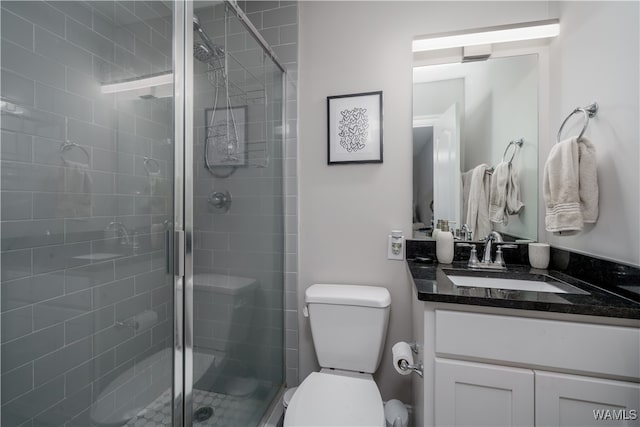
{"points": [[145, 83], [499, 34]]}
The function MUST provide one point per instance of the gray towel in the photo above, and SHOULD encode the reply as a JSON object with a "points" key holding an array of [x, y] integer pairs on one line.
{"points": [[570, 186]]}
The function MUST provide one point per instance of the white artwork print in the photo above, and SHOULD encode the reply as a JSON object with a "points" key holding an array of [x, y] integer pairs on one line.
{"points": [[354, 126]]}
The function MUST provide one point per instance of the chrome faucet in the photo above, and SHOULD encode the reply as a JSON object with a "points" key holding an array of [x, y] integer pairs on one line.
{"points": [[493, 237], [121, 231], [465, 232], [486, 262]]}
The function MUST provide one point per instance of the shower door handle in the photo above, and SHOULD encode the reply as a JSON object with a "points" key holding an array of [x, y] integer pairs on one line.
{"points": [[178, 250]]}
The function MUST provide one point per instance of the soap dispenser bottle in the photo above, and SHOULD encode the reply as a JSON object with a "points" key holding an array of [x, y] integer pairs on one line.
{"points": [[434, 233], [444, 244]]}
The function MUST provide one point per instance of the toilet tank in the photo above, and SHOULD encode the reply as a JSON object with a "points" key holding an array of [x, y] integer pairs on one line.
{"points": [[348, 325]]}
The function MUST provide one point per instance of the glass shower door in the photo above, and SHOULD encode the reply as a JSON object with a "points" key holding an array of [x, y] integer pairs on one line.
{"points": [[87, 182], [238, 223]]}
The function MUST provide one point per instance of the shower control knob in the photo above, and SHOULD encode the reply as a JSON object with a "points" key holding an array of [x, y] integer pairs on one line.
{"points": [[220, 200]]}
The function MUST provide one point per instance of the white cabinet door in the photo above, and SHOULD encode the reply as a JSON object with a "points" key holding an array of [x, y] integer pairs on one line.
{"points": [[571, 400], [475, 394]]}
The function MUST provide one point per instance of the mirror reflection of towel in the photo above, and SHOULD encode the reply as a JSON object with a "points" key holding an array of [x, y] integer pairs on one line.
{"points": [[477, 217], [505, 194], [75, 185]]}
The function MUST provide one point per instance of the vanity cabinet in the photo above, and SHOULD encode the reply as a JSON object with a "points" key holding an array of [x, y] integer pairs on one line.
{"points": [[474, 394], [570, 400], [503, 367]]}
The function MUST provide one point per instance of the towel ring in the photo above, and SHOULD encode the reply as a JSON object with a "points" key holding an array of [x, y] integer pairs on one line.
{"points": [[68, 145], [516, 143], [589, 111], [150, 160]]}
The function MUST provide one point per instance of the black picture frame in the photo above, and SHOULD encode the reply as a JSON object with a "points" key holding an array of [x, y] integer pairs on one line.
{"points": [[354, 128], [216, 135]]}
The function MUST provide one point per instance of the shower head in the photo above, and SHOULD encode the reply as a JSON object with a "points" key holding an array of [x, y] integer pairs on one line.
{"points": [[196, 23], [206, 50], [202, 53]]}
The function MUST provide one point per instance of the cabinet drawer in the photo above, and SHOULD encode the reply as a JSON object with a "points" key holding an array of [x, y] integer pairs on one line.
{"points": [[613, 351]]}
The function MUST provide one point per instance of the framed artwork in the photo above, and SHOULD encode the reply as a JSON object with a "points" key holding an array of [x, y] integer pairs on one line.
{"points": [[226, 136], [354, 128]]}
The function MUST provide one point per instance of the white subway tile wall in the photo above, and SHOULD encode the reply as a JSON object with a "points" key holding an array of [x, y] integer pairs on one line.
{"points": [[278, 24]]}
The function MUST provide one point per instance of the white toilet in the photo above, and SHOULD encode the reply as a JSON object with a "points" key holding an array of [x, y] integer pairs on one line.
{"points": [[349, 326]]}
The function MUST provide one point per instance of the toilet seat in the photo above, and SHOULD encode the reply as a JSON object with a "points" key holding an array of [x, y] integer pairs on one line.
{"points": [[327, 398]]}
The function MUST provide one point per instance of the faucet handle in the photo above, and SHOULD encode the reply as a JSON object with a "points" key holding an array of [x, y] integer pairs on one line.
{"points": [[473, 256], [508, 246]]}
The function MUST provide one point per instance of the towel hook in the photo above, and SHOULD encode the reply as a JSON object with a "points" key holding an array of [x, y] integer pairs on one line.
{"points": [[589, 111], [68, 145], [516, 143]]}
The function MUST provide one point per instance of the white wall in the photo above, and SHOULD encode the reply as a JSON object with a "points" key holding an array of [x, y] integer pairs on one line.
{"points": [[346, 212], [596, 58], [433, 98]]}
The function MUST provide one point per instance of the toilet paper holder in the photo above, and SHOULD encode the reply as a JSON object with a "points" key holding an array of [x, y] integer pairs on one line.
{"points": [[416, 368]]}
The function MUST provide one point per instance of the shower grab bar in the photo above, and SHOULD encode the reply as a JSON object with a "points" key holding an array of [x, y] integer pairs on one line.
{"points": [[515, 143], [68, 145], [589, 112]]}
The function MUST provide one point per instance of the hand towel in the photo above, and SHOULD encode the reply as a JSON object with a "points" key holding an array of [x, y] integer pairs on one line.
{"points": [[478, 205], [514, 204], [498, 194], [570, 186], [504, 193], [466, 183], [588, 180]]}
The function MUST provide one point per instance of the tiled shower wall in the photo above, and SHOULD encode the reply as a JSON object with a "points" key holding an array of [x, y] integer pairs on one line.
{"points": [[278, 24], [62, 295], [244, 245]]}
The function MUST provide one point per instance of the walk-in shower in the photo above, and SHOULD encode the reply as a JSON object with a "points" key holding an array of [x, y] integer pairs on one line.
{"points": [[142, 220]]}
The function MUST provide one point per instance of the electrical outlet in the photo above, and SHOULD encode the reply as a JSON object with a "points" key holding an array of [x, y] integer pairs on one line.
{"points": [[395, 247]]}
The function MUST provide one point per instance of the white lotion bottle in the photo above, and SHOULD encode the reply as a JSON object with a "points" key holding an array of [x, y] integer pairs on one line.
{"points": [[444, 245]]}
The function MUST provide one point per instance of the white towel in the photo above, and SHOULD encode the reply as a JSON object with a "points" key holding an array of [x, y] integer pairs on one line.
{"points": [[570, 186], [478, 205], [466, 183], [514, 204], [504, 194], [498, 194], [588, 181]]}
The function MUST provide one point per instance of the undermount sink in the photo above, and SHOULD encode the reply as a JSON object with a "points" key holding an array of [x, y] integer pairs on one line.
{"points": [[523, 282]]}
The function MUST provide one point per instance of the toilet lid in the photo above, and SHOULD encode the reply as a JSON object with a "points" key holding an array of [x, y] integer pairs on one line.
{"points": [[327, 399]]}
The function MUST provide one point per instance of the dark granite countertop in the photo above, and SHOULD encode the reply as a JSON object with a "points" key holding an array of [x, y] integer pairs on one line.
{"points": [[433, 284]]}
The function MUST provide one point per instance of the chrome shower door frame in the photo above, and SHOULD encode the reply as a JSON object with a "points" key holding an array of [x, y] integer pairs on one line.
{"points": [[176, 240]]}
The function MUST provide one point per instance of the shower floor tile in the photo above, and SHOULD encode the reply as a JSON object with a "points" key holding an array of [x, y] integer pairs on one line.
{"points": [[240, 411]]}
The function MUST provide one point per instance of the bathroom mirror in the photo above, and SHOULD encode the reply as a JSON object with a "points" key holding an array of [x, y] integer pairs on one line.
{"points": [[464, 115]]}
